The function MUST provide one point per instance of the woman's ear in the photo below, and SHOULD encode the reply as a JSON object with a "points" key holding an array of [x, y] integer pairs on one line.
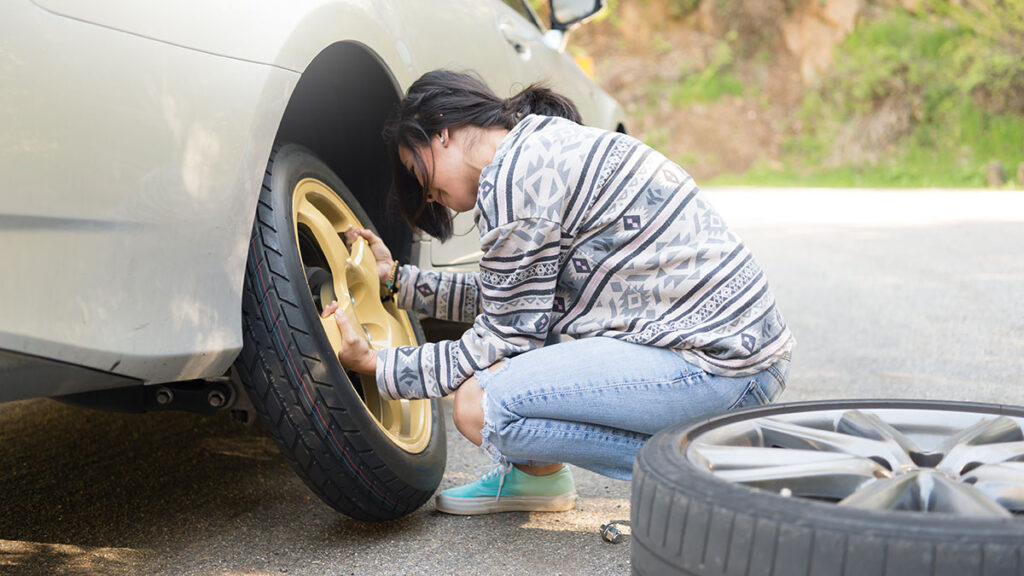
{"points": [[445, 138]]}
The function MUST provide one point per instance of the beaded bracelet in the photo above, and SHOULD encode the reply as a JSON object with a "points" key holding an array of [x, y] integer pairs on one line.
{"points": [[391, 286]]}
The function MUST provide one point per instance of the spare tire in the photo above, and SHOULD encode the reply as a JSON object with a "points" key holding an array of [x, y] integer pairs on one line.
{"points": [[368, 457], [856, 487]]}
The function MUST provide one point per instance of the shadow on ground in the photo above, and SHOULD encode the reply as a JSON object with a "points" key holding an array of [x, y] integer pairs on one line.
{"points": [[88, 492]]}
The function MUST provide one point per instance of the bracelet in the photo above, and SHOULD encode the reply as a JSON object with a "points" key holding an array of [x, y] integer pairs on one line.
{"points": [[391, 286]]}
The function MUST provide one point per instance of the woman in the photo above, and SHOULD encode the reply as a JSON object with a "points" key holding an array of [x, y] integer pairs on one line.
{"points": [[586, 233]]}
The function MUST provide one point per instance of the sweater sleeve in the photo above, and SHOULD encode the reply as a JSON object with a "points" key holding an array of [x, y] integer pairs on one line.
{"points": [[517, 278], [442, 295]]}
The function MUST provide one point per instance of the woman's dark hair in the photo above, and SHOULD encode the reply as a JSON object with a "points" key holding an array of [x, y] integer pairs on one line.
{"points": [[444, 99]]}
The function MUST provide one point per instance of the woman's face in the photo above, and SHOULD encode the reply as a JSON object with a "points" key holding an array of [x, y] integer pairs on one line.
{"points": [[453, 182]]}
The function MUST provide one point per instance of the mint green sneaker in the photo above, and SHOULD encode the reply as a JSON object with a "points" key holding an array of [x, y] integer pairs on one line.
{"points": [[509, 489]]}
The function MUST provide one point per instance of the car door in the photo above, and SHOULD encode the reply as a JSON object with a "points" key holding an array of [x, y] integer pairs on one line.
{"points": [[461, 35], [536, 61], [530, 60]]}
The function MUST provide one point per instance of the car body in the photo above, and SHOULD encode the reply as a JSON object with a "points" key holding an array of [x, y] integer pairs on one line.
{"points": [[135, 139]]}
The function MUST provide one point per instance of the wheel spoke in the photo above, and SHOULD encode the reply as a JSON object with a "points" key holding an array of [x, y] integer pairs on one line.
{"points": [[790, 435], [1003, 482], [721, 458], [989, 431], [371, 397], [383, 329], [832, 479], [964, 457], [954, 497], [868, 425], [333, 334], [329, 242], [337, 256], [899, 493], [987, 442], [925, 491]]}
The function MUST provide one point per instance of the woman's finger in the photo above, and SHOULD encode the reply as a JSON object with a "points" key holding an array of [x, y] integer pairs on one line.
{"points": [[352, 233], [343, 326], [330, 309], [370, 236]]}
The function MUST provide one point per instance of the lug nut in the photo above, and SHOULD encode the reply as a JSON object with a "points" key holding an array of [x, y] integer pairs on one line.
{"points": [[164, 396], [216, 398], [610, 532]]}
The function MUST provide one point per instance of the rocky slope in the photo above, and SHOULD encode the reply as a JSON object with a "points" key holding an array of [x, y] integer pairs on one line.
{"points": [[777, 49]]}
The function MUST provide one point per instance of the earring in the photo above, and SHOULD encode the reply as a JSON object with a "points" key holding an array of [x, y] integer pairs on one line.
{"points": [[442, 139]]}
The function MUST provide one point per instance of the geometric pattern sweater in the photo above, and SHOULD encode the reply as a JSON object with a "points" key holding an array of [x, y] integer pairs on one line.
{"points": [[588, 232]]}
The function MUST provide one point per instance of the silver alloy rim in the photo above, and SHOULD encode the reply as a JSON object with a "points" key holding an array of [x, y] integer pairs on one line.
{"points": [[921, 460]]}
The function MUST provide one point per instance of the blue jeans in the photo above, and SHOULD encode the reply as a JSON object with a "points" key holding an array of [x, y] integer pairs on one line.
{"points": [[594, 402]]}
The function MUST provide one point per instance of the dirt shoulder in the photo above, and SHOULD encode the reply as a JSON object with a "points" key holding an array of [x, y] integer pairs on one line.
{"points": [[646, 51]]}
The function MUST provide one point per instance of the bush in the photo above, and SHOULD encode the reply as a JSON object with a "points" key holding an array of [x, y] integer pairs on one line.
{"points": [[991, 54], [943, 69], [713, 82]]}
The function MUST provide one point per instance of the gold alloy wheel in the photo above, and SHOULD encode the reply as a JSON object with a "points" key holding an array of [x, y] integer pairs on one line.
{"points": [[348, 274]]}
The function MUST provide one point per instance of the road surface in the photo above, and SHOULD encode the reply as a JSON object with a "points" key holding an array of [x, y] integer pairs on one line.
{"points": [[916, 294]]}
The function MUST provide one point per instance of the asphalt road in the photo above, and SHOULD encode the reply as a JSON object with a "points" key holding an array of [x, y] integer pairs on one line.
{"points": [[916, 294]]}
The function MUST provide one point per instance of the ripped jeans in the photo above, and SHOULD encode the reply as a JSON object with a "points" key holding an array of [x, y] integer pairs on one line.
{"points": [[594, 402]]}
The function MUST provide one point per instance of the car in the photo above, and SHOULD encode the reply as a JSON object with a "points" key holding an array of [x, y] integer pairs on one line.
{"points": [[176, 177]]}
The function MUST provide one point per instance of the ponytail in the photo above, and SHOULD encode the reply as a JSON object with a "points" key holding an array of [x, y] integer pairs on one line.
{"points": [[539, 99], [444, 99]]}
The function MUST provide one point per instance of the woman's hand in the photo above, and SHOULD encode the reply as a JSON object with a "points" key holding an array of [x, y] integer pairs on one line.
{"points": [[380, 251], [355, 353]]}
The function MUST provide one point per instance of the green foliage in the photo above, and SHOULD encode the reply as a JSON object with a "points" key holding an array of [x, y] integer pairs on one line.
{"points": [[932, 65], [713, 82], [935, 155], [891, 57], [991, 54]]}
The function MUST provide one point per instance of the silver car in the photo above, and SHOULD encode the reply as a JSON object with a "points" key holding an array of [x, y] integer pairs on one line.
{"points": [[176, 175]]}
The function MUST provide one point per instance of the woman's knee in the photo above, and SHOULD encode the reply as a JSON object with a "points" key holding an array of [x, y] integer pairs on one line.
{"points": [[468, 411]]}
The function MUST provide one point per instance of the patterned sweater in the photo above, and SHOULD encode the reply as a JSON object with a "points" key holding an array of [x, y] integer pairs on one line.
{"points": [[587, 232]]}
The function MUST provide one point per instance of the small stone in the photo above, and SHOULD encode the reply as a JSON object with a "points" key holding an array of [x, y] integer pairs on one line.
{"points": [[996, 175]]}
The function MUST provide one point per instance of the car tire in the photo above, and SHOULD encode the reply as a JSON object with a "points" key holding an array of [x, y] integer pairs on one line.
{"points": [[365, 456], [695, 512]]}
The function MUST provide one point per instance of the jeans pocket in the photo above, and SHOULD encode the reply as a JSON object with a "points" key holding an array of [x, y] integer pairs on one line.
{"points": [[752, 396], [780, 372]]}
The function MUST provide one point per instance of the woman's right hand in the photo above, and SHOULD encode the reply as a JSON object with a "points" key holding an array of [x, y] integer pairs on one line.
{"points": [[380, 251]]}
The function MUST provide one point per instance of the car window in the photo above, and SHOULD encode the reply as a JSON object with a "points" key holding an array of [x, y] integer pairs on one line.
{"points": [[527, 9]]}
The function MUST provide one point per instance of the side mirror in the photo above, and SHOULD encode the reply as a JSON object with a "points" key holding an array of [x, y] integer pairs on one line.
{"points": [[566, 13]]}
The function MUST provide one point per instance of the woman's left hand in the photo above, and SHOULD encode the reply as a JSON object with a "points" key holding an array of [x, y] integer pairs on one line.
{"points": [[380, 251], [355, 353]]}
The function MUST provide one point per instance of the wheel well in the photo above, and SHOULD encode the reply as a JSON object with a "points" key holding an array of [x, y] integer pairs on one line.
{"points": [[338, 110]]}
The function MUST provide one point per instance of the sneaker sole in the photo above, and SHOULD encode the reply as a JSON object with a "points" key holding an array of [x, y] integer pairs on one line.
{"points": [[473, 506]]}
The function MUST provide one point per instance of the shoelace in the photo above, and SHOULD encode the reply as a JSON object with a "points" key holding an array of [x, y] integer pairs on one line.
{"points": [[502, 468]]}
